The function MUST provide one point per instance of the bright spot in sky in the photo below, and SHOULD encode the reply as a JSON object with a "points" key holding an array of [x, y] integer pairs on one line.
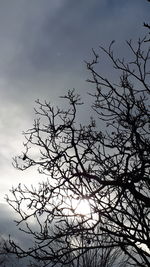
{"points": [[82, 207]]}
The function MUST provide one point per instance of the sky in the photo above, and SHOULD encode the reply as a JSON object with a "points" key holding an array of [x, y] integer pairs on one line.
{"points": [[43, 46]]}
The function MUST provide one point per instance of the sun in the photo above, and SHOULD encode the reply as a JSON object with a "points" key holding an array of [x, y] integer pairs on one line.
{"points": [[77, 207], [82, 207]]}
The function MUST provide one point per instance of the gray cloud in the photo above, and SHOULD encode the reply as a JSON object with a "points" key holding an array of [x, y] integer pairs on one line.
{"points": [[58, 42], [43, 44], [42, 48], [54, 39]]}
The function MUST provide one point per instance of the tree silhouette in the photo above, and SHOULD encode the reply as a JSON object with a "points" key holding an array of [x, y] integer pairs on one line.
{"points": [[106, 163], [104, 257]]}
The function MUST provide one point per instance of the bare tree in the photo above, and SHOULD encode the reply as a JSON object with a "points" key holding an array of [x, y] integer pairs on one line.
{"points": [[104, 257], [106, 163]]}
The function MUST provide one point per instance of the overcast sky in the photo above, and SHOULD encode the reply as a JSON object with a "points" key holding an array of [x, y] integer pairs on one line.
{"points": [[43, 45]]}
